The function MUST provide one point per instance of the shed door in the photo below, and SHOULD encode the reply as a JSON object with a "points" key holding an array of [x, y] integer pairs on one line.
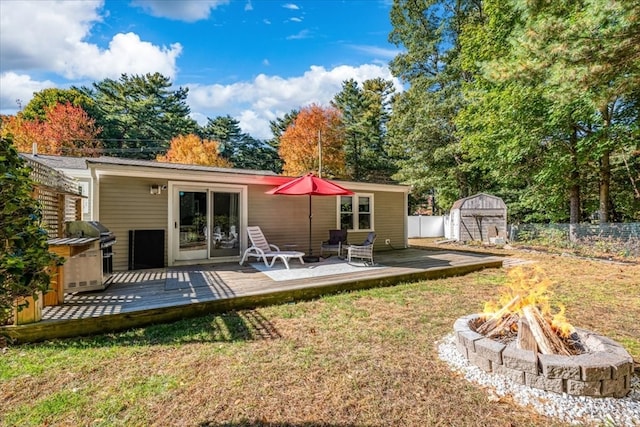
{"points": [[455, 228]]}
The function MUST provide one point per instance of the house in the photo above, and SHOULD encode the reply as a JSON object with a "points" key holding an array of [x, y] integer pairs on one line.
{"points": [[167, 214]]}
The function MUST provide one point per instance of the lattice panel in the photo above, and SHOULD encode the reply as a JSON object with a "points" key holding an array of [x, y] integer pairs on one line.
{"points": [[50, 208], [50, 177], [57, 194]]}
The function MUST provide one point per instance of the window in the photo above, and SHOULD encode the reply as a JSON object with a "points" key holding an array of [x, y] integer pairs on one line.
{"points": [[356, 212]]}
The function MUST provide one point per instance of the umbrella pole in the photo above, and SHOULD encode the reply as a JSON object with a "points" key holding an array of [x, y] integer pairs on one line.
{"points": [[310, 257], [310, 216]]}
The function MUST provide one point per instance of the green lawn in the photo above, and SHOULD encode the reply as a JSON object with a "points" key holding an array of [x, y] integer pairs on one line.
{"points": [[366, 358]]}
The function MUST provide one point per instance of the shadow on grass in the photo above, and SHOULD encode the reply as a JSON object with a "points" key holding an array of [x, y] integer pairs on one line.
{"points": [[257, 423], [233, 326]]}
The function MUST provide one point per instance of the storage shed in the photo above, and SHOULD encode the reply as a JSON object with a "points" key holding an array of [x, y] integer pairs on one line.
{"points": [[480, 217]]}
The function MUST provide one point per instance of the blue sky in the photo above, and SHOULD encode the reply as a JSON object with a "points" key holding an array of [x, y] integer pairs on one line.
{"points": [[254, 60]]}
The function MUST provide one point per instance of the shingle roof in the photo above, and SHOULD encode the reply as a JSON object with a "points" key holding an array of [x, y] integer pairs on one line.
{"points": [[179, 166], [58, 162], [66, 162]]}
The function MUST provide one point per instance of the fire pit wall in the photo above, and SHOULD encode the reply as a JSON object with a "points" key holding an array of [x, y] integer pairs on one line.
{"points": [[603, 371]]}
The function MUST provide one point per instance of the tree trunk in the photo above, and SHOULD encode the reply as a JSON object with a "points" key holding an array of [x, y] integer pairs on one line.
{"points": [[605, 183], [574, 186], [605, 165]]}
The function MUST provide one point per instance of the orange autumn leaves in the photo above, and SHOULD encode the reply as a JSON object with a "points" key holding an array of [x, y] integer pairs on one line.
{"points": [[299, 148], [66, 129], [190, 149]]}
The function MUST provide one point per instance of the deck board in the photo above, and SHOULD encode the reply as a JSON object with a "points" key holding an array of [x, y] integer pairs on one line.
{"points": [[137, 298]]}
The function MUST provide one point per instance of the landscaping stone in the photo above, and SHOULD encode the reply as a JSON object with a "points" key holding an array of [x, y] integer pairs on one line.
{"points": [[603, 371]]}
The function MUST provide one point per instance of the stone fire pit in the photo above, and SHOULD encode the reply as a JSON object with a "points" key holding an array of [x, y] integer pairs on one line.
{"points": [[603, 370]]}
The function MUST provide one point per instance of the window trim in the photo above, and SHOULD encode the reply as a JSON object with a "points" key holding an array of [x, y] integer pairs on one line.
{"points": [[356, 212]]}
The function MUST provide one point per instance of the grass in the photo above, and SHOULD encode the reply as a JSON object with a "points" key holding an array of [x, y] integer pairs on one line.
{"points": [[365, 358]]}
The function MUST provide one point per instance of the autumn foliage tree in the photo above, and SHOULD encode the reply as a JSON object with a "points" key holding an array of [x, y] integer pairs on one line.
{"points": [[65, 130], [300, 143], [190, 149]]}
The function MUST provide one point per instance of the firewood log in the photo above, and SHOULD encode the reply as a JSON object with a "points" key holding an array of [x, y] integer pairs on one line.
{"points": [[526, 340], [503, 327], [492, 321], [547, 340]]}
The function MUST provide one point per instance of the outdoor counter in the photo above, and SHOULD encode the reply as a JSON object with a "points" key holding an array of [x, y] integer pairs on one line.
{"points": [[66, 247]]}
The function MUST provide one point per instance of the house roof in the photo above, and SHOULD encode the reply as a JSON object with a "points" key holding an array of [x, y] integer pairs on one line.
{"points": [[122, 166], [58, 162], [67, 162], [179, 166]]}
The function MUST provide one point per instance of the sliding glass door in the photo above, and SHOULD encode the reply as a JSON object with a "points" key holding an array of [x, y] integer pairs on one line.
{"points": [[207, 223], [225, 220], [192, 225]]}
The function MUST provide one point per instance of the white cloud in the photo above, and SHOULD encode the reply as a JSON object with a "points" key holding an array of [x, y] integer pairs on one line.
{"points": [[181, 10], [291, 6], [377, 51], [304, 34], [17, 90], [126, 54], [266, 98], [44, 35], [35, 33]]}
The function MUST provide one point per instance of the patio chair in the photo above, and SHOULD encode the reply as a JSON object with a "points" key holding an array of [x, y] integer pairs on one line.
{"points": [[363, 251], [337, 241], [262, 250]]}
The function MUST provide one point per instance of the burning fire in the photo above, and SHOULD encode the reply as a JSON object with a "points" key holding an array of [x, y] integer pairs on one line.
{"points": [[528, 288]]}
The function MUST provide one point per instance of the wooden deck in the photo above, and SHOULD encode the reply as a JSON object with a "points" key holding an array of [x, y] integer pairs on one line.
{"points": [[139, 298]]}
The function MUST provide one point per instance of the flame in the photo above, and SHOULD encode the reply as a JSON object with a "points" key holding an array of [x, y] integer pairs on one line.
{"points": [[532, 287], [560, 325]]}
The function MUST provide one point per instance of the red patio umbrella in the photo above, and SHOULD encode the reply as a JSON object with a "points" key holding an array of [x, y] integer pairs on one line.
{"points": [[310, 185]]}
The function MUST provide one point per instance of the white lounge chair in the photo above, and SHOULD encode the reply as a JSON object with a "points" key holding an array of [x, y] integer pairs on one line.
{"points": [[261, 249]]}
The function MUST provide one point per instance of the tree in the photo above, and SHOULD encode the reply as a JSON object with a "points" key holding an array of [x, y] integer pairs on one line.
{"points": [[365, 114], [278, 127], [226, 130], [572, 46], [45, 99], [65, 129], [422, 131], [24, 133], [140, 114], [190, 149], [545, 104], [244, 151], [24, 257], [316, 131]]}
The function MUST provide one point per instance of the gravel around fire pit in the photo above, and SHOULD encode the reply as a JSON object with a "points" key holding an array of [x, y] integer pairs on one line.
{"points": [[623, 412]]}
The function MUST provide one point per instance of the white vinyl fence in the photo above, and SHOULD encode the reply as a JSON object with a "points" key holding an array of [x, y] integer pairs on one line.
{"points": [[425, 226]]}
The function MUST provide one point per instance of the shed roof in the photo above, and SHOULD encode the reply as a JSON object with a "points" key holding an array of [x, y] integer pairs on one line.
{"points": [[458, 204]]}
